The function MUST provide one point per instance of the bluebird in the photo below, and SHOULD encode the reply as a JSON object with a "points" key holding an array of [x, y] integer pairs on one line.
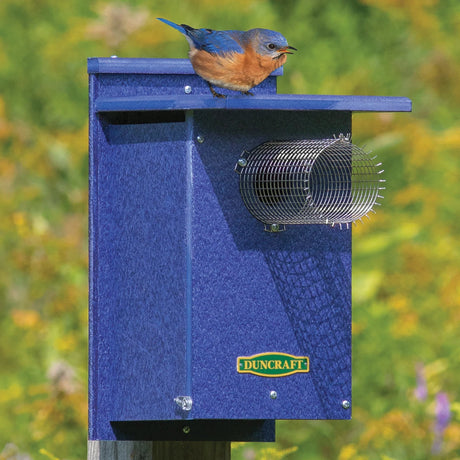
{"points": [[234, 59]]}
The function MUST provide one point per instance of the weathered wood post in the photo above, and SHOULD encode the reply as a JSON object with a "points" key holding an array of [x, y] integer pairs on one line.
{"points": [[159, 450], [204, 328]]}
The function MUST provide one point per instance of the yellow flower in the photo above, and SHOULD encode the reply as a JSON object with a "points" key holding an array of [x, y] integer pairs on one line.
{"points": [[347, 452], [26, 319], [271, 453]]}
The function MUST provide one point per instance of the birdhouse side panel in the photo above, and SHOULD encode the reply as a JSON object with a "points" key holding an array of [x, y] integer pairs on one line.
{"points": [[138, 276]]}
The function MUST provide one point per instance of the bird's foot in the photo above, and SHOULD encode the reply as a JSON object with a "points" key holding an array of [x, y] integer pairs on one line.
{"points": [[247, 93], [215, 93]]}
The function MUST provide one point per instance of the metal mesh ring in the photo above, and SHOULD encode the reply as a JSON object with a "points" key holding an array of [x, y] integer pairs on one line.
{"points": [[319, 181]]}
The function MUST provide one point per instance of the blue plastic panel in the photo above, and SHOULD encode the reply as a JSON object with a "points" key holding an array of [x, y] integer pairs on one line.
{"points": [[258, 102], [255, 292], [138, 295], [128, 77]]}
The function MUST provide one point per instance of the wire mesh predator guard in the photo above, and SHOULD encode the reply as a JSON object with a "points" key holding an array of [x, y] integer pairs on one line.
{"points": [[318, 181]]}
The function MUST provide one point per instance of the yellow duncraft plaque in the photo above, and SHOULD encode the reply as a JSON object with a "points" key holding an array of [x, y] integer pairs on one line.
{"points": [[273, 364]]}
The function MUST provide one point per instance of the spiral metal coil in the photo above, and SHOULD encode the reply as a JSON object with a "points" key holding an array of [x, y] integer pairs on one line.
{"points": [[318, 181]]}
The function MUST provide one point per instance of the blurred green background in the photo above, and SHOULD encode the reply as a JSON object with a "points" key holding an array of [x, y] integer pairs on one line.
{"points": [[406, 274]]}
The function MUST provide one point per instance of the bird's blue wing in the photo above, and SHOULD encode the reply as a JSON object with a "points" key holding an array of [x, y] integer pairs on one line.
{"points": [[212, 41], [216, 41]]}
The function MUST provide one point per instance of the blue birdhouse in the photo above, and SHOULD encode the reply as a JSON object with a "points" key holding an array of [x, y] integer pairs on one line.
{"points": [[207, 321]]}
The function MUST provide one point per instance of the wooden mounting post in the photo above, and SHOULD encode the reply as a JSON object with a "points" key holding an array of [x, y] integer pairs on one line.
{"points": [[158, 450]]}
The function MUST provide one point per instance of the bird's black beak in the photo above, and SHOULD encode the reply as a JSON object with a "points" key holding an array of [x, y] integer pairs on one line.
{"points": [[283, 51]]}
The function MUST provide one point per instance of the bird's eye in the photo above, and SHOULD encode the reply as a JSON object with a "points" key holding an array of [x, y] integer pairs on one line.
{"points": [[271, 46]]}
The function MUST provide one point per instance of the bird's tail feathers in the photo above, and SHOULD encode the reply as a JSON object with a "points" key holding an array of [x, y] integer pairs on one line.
{"points": [[180, 28]]}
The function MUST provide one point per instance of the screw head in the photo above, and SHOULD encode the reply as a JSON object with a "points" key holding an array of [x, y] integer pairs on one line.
{"points": [[186, 429], [273, 394], [242, 162], [346, 404], [187, 89], [200, 139], [185, 403]]}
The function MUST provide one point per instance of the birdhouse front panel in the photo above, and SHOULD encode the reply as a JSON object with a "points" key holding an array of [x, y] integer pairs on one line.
{"points": [[270, 311]]}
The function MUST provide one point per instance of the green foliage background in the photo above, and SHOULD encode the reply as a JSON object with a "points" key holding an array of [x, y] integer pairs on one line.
{"points": [[406, 276]]}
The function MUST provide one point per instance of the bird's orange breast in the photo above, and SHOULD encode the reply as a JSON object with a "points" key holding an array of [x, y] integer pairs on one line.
{"points": [[236, 71]]}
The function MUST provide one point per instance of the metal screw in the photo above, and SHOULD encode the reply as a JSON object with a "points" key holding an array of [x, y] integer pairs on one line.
{"points": [[186, 429], [274, 227], [200, 139], [242, 162], [346, 404], [184, 402], [187, 89], [273, 394]]}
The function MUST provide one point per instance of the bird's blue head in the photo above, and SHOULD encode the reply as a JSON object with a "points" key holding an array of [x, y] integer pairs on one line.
{"points": [[269, 43]]}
